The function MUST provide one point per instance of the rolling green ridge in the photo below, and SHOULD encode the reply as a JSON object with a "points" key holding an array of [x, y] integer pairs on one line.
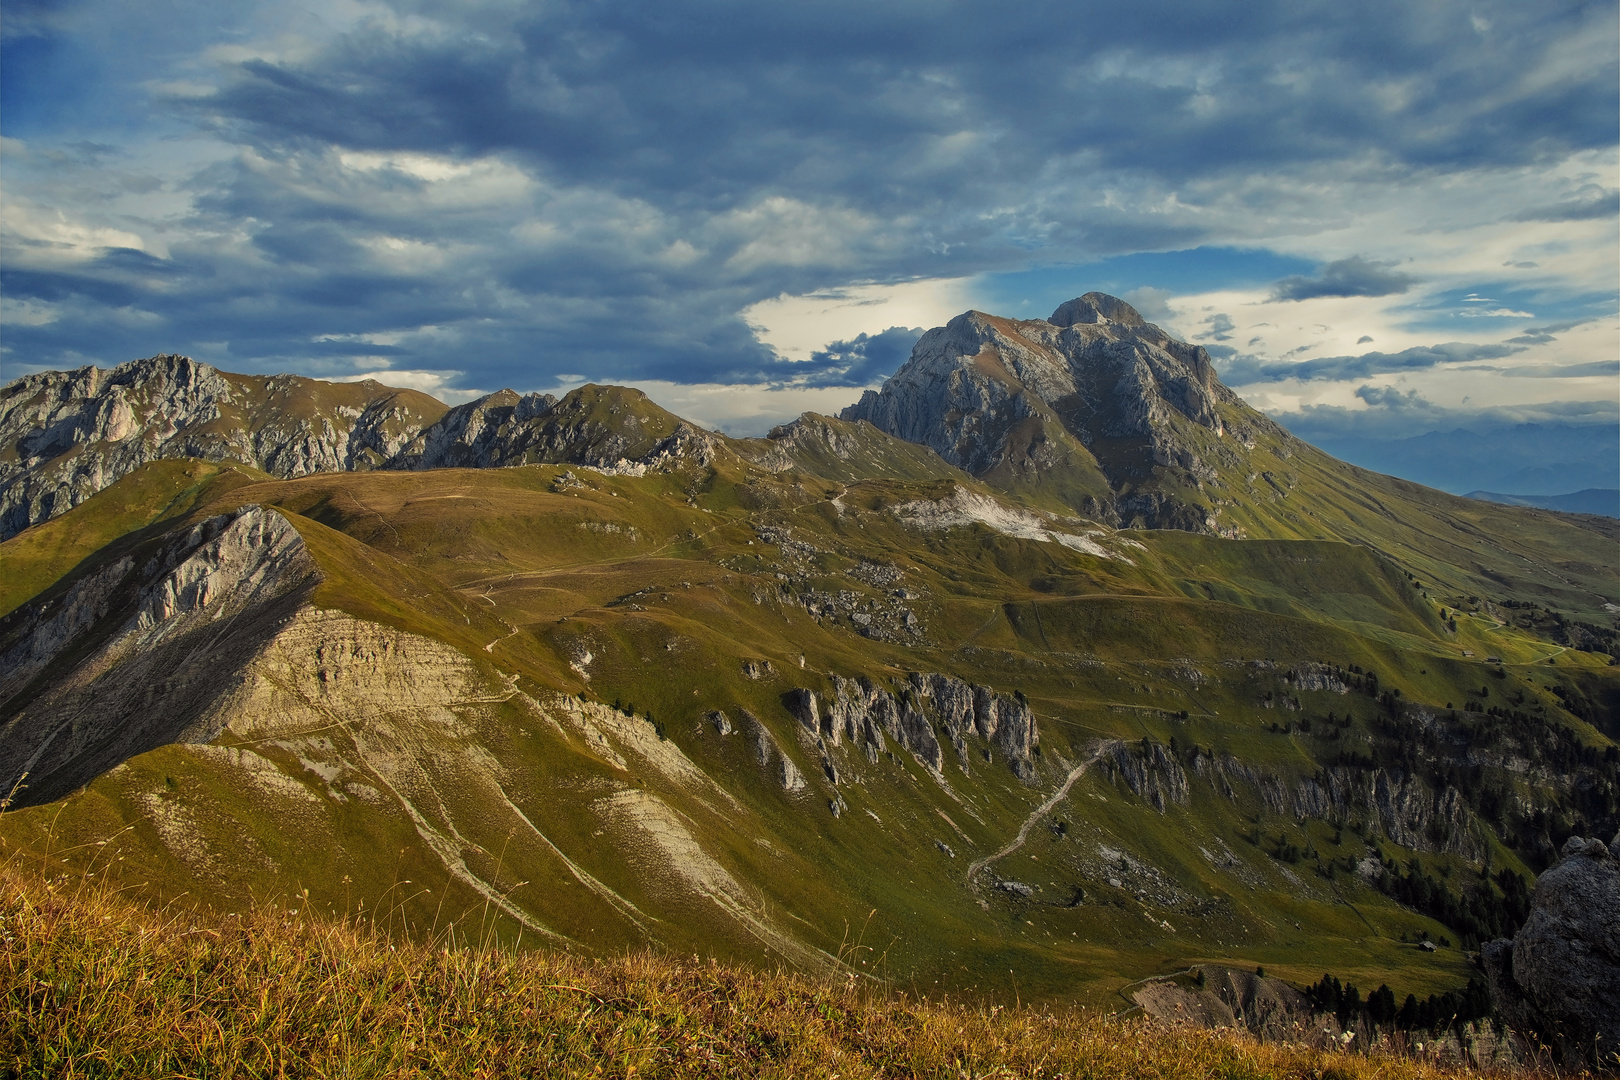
{"points": [[570, 765]]}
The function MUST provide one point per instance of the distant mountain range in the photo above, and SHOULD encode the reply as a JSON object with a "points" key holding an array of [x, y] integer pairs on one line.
{"points": [[1605, 501], [1542, 459], [1051, 664]]}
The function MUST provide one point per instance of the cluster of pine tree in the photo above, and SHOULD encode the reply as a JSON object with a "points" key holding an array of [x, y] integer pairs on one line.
{"points": [[1478, 914], [1452, 1009], [1465, 751], [1572, 633]]}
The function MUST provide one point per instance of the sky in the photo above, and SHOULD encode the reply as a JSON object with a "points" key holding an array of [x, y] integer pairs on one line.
{"points": [[1381, 218]]}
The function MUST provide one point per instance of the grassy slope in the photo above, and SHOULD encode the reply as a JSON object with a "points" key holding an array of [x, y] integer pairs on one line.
{"points": [[1459, 546], [94, 985], [531, 566], [845, 452], [143, 504]]}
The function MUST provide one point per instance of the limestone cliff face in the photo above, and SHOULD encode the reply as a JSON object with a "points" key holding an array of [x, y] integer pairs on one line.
{"points": [[999, 721], [978, 391], [868, 717], [494, 430], [864, 714], [1401, 807], [1151, 771], [1093, 403], [1405, 809], [65, 435], [609, 428], [137, 653]]}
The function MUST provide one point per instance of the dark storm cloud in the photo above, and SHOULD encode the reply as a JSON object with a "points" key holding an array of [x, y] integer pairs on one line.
{"points": [[1244, 370], [711, 99], [1354, 276], [666, 165], [864, 360]]}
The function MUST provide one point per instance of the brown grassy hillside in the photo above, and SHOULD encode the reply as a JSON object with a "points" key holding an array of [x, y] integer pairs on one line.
{"points": [[94, 985]]}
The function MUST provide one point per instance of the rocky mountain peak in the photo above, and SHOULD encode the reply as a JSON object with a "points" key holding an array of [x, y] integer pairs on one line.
{"points": [[1096, 307], [1096, 408]]}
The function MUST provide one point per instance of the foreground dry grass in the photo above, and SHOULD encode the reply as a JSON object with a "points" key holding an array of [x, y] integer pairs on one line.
{"points": [[93, 985]]}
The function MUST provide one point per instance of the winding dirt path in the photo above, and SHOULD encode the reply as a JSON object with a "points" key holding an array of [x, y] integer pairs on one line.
{"points": [[1097, 751]]}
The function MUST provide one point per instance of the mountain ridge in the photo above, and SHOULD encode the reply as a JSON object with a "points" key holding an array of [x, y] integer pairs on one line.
{"points": [[622, 683], [1604, 501], [66, 435]]}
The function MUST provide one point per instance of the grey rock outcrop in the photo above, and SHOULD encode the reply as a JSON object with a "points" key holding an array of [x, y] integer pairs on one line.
{"points": [[138, 651], [1002, 722], [868, 718], [491, 431], [1266, 1007], [72, 433], [1558, 979], [1402, 808], [1274, 1011], [864, 713], [1151, 771], [802, 705], [612, 429], [768, 754], [1008, 723], [65, 435], [1318, 677]]}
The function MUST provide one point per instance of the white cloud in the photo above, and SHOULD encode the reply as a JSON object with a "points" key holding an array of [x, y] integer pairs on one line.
{"points": [[796, 326], [740, 410], [434, 383], [49, 235], [779, 231], [25, 312]]}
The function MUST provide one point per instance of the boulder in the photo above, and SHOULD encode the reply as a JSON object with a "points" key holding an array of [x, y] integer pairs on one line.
{"points": [[1558, 979]]}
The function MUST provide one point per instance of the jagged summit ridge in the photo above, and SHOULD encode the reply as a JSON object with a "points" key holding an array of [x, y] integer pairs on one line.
{"points": [[1097, 404], [65, 435]]}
